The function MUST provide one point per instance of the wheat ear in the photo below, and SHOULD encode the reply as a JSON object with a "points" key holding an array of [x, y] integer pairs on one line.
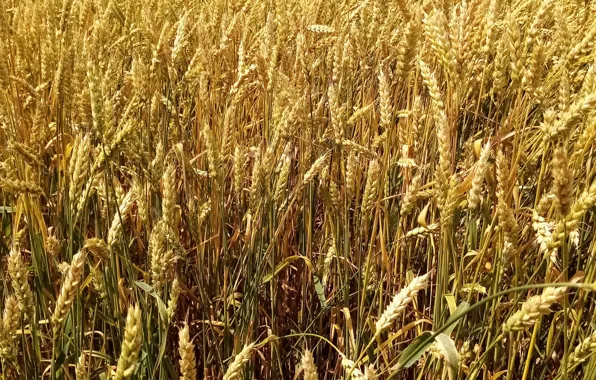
{"points": [[399, 302], [9, 326], [18, 275], [234, 371], [532, 309], [308, 366], [131, 345], [81, 368], [186, 348], [583, 351], [69, 288]]}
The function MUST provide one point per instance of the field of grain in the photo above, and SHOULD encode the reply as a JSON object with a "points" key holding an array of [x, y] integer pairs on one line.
{"points": [[297, 189]]}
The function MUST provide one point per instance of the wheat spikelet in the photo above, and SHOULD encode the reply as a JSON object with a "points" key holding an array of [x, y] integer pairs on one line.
{"points": [[25, 152], [410, 196], [131, 344], [168, 205], [350, 180], [89, 189], [360, 113], [588, 39], [228, 132], [99, 282], [352, 146], [141, 190], [17, 186], [186, 348], [585, 140], [563, 181], [407, 49], [282, 178], [96, 96], [331, 253], [586, 200], [79, 165], [81, 368], [350, 368], [157, 252], [543, 231], [181, 40], [534, 69], [532, 309], [239, 165], [500, 69], [119, 218], [321, 28], [474, 197], [564, 89], [10, 324], [399, 303], [515, 48], [334, 194], [421, 231], [506, 216], [443, 170], [69, 288], [257, 182], [173, 301], [204, 211], [583, 351], [308, 366], [97, 247], [434, 28], [234, 371], [569, 118], [52, 246], [20, 284], [371, 189], [157, 166], [213, 156], [314, 170], [385, 103]]}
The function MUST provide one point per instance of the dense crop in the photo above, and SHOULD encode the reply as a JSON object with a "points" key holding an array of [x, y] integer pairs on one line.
{"points": [[281, 189]]}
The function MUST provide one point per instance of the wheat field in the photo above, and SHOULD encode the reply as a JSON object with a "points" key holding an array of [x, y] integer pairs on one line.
{"points": [[298, 189]]}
